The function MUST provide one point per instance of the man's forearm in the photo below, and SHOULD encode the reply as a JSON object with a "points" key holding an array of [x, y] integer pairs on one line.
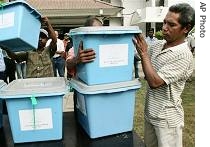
{"points": [[12, 55], [71, 63], [151, 75]]}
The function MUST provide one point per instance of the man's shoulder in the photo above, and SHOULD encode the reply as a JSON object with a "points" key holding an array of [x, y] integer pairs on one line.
{"points": [[155, 38], [159, 43], [147, 38]]}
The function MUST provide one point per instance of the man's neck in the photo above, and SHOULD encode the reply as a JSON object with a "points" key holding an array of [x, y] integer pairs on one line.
{"points": [[172, 44], [39, 50]]}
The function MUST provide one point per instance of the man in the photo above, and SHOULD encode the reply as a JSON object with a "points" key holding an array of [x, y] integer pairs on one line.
{"points": [[166, 72], [10, 69], [38, 61], [150, 38], [58, 60], [66, 41]]}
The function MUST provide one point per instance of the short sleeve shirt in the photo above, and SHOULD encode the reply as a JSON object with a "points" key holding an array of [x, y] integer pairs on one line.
{"points": [[60, 46], [174, 65], [39, 64]]}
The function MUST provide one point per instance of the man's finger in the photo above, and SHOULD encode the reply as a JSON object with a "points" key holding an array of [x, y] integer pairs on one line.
{"points": [[81, 45]]}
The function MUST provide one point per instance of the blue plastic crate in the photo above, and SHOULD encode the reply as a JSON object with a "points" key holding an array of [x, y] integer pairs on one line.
{"points": [[114, 53], [39, 122], [19, 26], [2, 84], [105, 109]]}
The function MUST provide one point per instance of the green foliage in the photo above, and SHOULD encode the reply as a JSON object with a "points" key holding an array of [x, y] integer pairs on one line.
{"points": [[188, 97], [159, 35]]}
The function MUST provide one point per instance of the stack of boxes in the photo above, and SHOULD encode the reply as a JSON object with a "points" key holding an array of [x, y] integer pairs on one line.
{"points": [[34, 105], [105, 88]]}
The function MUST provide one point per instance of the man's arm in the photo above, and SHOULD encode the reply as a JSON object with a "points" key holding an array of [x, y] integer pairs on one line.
{"points": [[52, 35], [19, 58], [83, 56], [153, 79]]}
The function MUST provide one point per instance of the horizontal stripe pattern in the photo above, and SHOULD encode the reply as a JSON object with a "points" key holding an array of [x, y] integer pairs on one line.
{"points": [[174, 65]]}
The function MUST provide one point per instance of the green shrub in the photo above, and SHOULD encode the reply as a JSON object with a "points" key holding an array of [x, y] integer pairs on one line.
{"points": [[159, 35]]}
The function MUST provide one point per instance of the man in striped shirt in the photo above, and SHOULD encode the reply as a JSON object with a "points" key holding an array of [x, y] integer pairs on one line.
{"points": [[166, 70]]}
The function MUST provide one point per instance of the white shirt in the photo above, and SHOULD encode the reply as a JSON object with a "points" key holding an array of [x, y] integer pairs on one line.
{"points": [[174, 65], [60, 46], [151, 41]]}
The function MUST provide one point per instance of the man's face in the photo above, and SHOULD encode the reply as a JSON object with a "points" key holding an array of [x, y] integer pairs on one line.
{"points": [[150, 34], [42, 40], [172, 29]]}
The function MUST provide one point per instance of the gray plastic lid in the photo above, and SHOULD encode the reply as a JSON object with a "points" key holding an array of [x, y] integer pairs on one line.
{"points": [[83, 88], [105, 30], [22, 2], [34, 87]]}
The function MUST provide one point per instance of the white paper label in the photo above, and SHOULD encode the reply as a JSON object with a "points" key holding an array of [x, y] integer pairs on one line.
{"points": [[7, 20], [81, 103], [113, 55], [43, 119]]}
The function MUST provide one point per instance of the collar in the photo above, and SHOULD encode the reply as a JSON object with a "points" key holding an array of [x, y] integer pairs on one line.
{"points": [[175, 48]]}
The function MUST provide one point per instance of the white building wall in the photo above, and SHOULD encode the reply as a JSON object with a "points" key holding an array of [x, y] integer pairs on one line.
{"points": [[130, 7], [116, 20], [172, 2]]}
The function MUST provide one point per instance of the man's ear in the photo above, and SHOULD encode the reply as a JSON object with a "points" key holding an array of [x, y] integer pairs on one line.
{"points": [[187, 28]]}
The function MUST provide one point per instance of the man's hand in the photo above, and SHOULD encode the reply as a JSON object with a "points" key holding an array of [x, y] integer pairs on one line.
{"points": [[140, 44], [44, 20], [84, 56], [3, 47]]}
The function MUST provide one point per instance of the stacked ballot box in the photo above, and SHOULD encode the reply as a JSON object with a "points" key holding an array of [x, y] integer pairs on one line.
{"points": [[114, 53], [35, 108], [19, 26], [105, 88], [105, 109]]}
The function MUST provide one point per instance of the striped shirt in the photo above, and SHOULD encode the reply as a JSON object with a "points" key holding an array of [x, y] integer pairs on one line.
{"points": [[174, 65]]}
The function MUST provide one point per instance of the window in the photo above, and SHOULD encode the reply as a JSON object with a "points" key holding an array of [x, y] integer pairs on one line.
{"points": [[158, 26], [159, 3], [106, 22], [148, 26]]}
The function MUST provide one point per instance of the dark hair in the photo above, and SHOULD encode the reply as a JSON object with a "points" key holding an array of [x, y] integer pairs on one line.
{"points": [[187, 14], [151, 29], [91, 20]]}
